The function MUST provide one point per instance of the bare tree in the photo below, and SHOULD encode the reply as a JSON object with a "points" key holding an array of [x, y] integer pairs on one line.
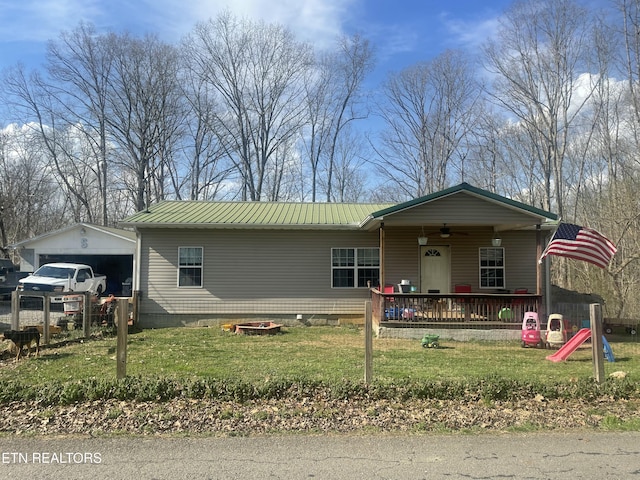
{"points": [[608, 197], [145, 113], [334, 101], [349, 178], [257, 71], [30, 202], [541, 49], [79, 65], [206, 170], [428, 114], [31, 97]]}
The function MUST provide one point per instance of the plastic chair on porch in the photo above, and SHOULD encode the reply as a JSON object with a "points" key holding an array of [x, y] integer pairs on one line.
{"points": [[463, 288], [389, 289], [392, 312], [519, 303]]}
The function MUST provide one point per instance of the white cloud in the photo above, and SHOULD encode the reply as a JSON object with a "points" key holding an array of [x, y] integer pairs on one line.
{"points": [[317, 21], [42, 20], [469, 35]]}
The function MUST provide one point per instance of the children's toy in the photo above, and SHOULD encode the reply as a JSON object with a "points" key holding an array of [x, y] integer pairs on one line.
{"points": [[531, 333], [608, 353], [578, 339], [556, 335], [430, 340]]}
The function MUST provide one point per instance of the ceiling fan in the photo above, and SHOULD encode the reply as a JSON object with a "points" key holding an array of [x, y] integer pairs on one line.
{"points": [[445, 232]]}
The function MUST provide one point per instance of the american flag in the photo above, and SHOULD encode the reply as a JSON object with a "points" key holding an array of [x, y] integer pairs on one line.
{"points": [[580, 243]]}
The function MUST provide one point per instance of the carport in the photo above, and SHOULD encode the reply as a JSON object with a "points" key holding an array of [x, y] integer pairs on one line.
{"points": [[109, 251]]}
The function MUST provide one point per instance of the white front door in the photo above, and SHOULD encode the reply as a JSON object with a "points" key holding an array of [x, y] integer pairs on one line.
{"points": [[435, 269]]}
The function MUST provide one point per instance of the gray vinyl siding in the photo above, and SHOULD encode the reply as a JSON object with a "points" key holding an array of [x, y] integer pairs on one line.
{"points": [[462, 208], [287, 271], [519, 256], [402, 256], [249, 272]]}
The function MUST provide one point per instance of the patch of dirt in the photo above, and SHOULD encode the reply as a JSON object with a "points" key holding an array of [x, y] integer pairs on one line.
{"points": [[200, 417]]}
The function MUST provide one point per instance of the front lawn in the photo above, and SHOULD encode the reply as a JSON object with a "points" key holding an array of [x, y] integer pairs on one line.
{"points": [[327, 354]]}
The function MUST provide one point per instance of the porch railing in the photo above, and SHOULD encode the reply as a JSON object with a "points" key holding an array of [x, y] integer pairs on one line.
{"points": [[452, 309]]}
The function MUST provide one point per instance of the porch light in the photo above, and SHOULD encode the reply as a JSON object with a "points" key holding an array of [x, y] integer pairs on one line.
{"points": [[422, 239], [496, 241]]}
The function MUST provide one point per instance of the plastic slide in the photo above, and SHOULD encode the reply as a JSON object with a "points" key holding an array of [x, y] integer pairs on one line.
{"points": [[571, 346], [608, 353]]}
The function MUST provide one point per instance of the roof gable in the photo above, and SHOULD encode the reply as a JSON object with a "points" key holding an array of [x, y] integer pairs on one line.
{"points": [[118, 233], [468, 189]]}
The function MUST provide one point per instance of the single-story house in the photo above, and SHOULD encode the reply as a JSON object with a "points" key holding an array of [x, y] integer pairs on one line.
{"points": [[200, 262], [107, 250]]}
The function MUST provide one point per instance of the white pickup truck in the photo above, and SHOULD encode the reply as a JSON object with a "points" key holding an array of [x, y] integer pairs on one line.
{"points": [[63, 277]]}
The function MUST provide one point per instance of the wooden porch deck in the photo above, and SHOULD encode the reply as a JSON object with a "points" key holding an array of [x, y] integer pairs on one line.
{"points": [[453, 310]]}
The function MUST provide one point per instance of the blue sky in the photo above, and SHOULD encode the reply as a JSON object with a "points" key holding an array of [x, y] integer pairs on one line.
{"points": [[403, 32]]}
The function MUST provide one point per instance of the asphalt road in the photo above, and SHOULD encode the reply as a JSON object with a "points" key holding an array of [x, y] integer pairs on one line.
{"points": [[523, 456]]}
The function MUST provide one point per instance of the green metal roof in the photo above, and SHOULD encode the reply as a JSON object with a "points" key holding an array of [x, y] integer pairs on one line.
{"points": [[205, 214], [253, 214], [464, 187]]}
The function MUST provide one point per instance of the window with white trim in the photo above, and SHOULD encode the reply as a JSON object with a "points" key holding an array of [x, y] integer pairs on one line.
{"points": [[190, 266], [492, 267], [355, 267]]}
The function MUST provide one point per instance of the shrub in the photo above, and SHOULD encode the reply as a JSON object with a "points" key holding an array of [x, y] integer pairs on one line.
{"points": [[162, 389]]}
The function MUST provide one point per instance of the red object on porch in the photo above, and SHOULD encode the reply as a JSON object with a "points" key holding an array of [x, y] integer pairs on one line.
{"points": [[462, 288], [389, 289], [519, 304]]}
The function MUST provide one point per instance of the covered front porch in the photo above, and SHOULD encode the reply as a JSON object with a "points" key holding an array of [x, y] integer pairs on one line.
{"points": [[458, 258], [502, 310]]}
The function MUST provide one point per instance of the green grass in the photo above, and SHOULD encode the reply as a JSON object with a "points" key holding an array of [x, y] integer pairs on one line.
{"points": [[312, 354]]}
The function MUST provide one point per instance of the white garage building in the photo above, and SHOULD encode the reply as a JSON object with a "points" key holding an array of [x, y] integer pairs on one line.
{"points": [[109, 251]]}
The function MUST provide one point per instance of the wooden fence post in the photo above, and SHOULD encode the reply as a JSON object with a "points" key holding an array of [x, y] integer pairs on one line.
{"points": [[86, 314], [595, 314], [15, 310], [122, 325], [46, 307], [368, 342]]}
